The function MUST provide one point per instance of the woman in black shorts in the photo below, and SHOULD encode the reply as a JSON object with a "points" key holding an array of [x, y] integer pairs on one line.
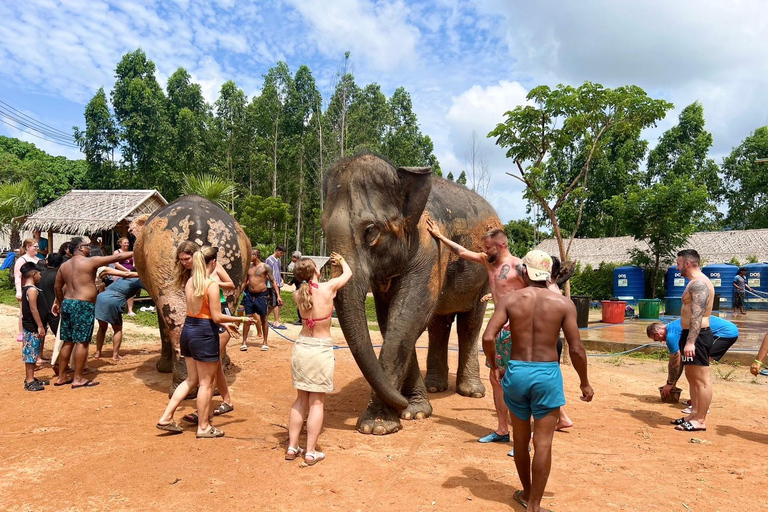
{"points": [[200, 344]]}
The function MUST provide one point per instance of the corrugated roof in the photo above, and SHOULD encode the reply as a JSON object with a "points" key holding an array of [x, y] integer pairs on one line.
{"points": [[713, 247], [90, 211]]}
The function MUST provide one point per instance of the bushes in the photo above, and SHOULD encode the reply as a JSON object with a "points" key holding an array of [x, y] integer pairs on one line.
{"points": [[597, 283]]}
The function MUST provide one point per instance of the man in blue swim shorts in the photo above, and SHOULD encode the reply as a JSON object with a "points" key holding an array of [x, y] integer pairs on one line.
{"points": [[78, 307], [532, 382]]}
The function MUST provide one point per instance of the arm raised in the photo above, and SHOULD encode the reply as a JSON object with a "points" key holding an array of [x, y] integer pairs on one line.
{"points": [[461, 251]]}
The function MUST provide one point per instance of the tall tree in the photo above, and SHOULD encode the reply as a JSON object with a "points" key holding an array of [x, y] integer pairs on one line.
{"points": [[521, 235], [278, 83], [746, 179], [477, 165], [368, 118], [343, 96], [231, 128], [559, 122], [16, 199], [99, 141], [683, 151], [404, 144]]}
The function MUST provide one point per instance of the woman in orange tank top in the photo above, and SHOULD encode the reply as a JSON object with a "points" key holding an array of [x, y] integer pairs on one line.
{"points": [[200, 344]]}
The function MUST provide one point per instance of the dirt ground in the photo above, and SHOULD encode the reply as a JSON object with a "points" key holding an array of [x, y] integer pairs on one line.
{"points": [[97, 449]]}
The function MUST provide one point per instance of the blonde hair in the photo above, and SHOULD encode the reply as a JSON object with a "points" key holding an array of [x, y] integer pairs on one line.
{"points": [[26, 243], [182, 274], [120, 242], [200, 260], [304, 271]]}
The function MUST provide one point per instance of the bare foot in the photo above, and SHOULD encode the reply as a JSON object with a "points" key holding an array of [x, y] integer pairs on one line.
{"points": [[96, 355], [117, 358]]}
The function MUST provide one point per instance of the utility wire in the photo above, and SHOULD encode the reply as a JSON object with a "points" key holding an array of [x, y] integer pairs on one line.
{"points": [[38, 136], [52, 135], [35, 121]]}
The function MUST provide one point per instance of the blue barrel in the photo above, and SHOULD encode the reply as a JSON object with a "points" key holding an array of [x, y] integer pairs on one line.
{"points": [[721, 275], [675, 281], [629, 284], [757, 279]]}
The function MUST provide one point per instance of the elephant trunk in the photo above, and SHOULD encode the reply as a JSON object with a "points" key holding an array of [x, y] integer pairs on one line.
{"points": [[350, 309]]}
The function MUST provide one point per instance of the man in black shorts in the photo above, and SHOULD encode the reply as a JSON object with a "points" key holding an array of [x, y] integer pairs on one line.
{"points": [[257, 301], [696, 340]]}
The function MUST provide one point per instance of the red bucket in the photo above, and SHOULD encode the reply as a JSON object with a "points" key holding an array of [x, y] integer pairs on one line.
{"points": [[613, 311]]}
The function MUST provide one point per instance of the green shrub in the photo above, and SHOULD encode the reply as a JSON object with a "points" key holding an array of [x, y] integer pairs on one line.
{"points": [[597, 283]]}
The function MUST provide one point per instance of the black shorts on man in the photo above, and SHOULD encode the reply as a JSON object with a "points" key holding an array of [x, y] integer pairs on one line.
{"points": [[703, 346]]}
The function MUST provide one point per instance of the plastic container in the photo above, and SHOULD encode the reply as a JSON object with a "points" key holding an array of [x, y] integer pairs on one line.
{"points": [[649, 309], [582, 309], [613, 311], [673, 306], [721, 275], [716, 303], [675, 281], [757, 279], [629, 284], [673, 397]]}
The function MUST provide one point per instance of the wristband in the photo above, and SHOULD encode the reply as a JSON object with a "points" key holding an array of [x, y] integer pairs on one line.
{"points": [[759, 362], [670, 383]]}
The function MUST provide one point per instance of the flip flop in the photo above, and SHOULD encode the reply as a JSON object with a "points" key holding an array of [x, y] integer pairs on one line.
{"points": [[519, 499], [224, 408], [191, 418], [70, 381], [172, 427], [687, 426], [243, 348], [281, 326], [678, 421], [264, 348], [86, 384]]}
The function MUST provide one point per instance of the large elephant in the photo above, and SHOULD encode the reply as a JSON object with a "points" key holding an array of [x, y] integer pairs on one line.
{"points": [[157, 237], [375, 216]]}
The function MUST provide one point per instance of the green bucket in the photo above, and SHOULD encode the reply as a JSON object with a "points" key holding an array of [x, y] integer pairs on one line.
{"points": [[649, 309]]}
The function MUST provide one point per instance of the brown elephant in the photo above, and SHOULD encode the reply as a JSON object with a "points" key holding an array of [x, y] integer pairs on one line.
{"points": [[375, 216], [157, 237]]}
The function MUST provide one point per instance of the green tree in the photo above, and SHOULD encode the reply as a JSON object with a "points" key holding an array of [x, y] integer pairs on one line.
{"points": [[403, 142], [462, 179], [746, 180], [98, 142], [213, 188], [368, 118], [16, 199], [683, 151], [450, 176], [663, 216], [521, 235], [262, 217], [561, 121], [231, 130]]}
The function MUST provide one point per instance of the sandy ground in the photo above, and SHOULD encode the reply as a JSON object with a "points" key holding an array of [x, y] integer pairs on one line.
{"points": [[97, 449]]}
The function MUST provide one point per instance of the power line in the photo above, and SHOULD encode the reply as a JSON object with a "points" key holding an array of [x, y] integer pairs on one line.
{"points": [[35, 121], [71, 145], [31, 126]]}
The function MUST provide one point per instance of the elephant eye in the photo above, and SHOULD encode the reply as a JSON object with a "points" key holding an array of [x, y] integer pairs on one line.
{"points": [[371, 234]]}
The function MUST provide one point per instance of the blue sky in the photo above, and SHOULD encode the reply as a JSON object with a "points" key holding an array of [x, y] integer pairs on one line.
{"points": [[464, 62]]}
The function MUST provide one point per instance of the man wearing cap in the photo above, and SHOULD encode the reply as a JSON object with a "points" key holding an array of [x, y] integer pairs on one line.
{"points": [[503, 278], [77, 308], [532, 382], [740, 287]]}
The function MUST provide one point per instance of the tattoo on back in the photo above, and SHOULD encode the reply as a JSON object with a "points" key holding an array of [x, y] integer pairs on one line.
{"points": [[504, 272]]}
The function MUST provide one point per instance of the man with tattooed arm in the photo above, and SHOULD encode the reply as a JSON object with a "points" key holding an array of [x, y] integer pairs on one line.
{"points": [[696, 340]]}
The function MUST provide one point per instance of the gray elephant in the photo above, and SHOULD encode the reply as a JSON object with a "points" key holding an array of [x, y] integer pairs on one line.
{"points": [[375, 216]]}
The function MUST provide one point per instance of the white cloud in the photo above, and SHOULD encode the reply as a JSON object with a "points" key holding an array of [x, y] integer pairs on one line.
{"points": [[379, 32]]}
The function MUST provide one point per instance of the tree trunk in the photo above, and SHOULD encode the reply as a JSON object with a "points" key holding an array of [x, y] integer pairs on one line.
{"points": [[274, 162], [298, 206], [320, 183]]}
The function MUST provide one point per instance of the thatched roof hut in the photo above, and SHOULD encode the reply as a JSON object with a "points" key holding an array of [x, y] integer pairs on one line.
{"points": [[92, 211], [713, 247]]}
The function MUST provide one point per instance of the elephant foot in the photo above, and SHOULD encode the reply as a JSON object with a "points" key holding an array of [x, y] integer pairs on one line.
{"points": [[417, 410], [473, 388], [191, 396], [164, 365], [378, 420], [435, 384]]}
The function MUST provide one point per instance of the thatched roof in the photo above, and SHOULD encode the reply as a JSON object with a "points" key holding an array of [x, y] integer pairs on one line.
{"points": [[713, 247], [91, 211]]}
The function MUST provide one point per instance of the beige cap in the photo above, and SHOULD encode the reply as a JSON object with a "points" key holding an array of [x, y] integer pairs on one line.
{"points": [[539, 265], [100, 270]]}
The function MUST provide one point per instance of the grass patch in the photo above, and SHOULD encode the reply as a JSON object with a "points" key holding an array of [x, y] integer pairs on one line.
{"points": [[615, 361], [725, 372], [655, 355]]}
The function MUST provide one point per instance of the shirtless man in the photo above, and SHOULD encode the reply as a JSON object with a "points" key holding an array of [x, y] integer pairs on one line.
{"points": [[503, 278], [696, 340], [77, 308], [255, 299], [532, 383]]}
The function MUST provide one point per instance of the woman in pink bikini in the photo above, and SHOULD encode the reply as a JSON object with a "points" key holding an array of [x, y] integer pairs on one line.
{"points": [[312, 361]]}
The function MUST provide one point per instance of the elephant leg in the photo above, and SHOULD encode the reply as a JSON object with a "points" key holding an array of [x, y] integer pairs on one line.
{"points": [[469, 324], [416, 393], [382, 313], [165, 364], [437, 354], [378, 418]]}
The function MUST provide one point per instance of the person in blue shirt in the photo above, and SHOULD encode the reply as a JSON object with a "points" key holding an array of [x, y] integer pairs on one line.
{"points": [[725, 333], [740, 288]]}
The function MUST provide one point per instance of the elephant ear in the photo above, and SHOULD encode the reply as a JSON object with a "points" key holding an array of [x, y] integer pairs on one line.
{"points": [[416, 184]]}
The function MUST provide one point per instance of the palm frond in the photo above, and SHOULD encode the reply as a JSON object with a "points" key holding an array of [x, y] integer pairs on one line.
{"points": [[213, 188]]}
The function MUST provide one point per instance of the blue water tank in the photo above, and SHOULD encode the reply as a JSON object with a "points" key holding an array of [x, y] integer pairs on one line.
{"points": [[721, 275], [757, 279], [629, 284], [675, 281]]}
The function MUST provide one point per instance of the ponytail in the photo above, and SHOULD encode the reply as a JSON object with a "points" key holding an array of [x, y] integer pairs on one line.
{"points": [[304, 296], [304, 271], [198, 274]]}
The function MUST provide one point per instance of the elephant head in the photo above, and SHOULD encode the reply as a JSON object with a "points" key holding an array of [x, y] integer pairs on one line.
{"points": [[371, 217]]}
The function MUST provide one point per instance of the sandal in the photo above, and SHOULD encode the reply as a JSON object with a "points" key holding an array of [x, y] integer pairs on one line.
{"points": [[243, 348], [191, 418], [224, 408], [316, 457], [291, 453], [211, 433], [172, 427]]}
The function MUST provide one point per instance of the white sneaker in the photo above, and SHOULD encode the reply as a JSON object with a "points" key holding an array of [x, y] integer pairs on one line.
{"points": [[687, 410]]}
